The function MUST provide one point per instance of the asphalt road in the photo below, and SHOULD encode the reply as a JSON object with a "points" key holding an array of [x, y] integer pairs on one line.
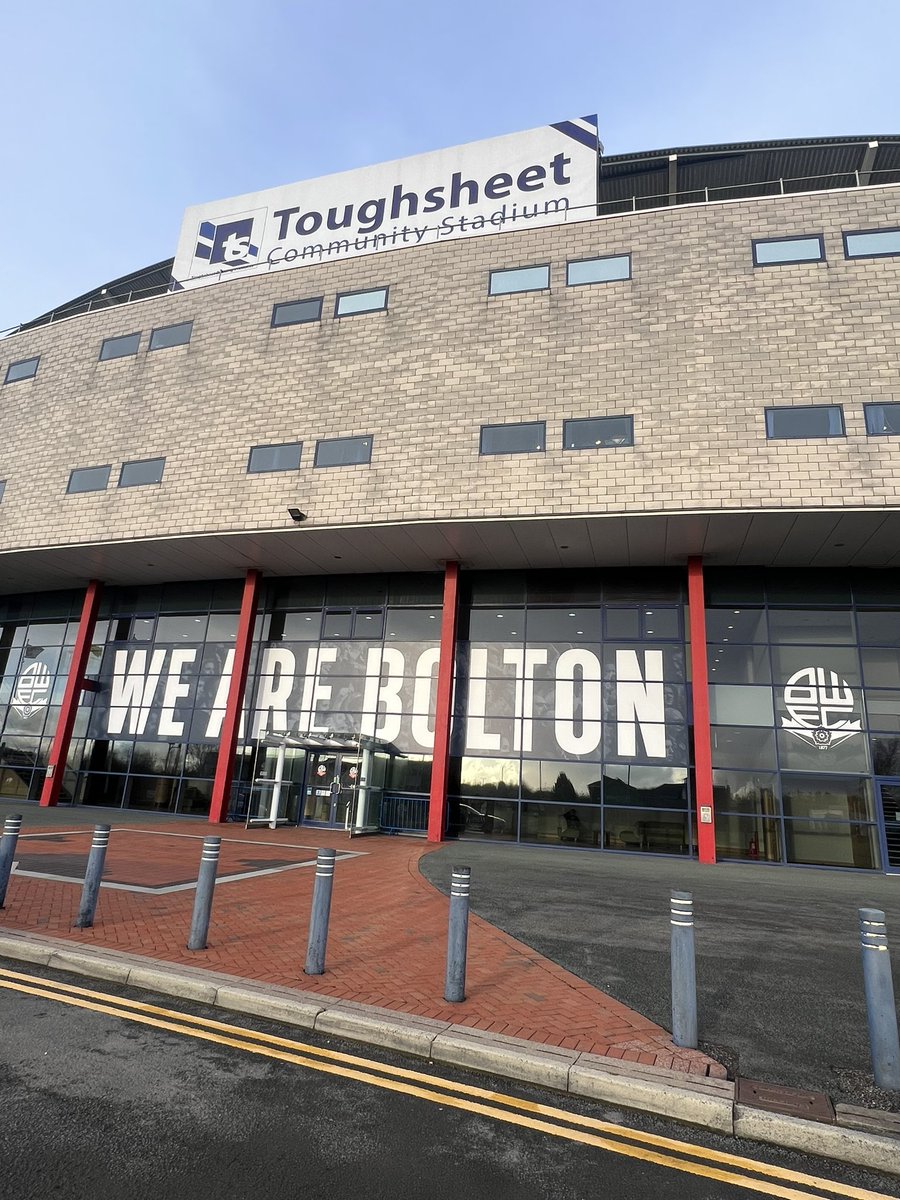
{"points": [[779, 978], [100, 1106]]}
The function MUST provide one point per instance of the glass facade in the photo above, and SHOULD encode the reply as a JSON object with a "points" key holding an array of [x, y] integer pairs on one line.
{"points": [[805, 708], [36, 639], [571, 716]]}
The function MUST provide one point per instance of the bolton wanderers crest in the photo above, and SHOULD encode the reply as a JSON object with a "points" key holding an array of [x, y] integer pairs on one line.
{"points": [[32, 690], [820, 705]]}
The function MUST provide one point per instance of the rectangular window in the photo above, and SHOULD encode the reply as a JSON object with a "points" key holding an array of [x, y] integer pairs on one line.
{"points": [[88, 479], [513, 439], [2, 488], [882, 419], [598, 270], [120, 347], [146, 470], [519, 279], [872, 243], [587, 433], [171, 335], [768, 252], [297, 312], [348, 304], [343, 452], [26, 368], [812, 421], [284, 457]]}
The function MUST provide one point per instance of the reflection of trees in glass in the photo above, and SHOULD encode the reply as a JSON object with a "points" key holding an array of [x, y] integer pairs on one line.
{"points": [[564, 789], [886, 755], [200, 760], [409, 774], [161, 759], [499, 790]]}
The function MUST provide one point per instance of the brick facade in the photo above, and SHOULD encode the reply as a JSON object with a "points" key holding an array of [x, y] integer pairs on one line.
{"points": [[695, 346]]}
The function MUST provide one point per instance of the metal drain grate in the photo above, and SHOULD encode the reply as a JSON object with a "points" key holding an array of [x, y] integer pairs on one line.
{"points": [[811, 1106]]}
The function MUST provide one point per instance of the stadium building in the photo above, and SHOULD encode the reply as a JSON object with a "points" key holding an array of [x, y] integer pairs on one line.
{"points": [[516, 492]]}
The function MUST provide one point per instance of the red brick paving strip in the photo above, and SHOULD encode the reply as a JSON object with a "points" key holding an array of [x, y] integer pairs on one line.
{"points": [[386, 939]]}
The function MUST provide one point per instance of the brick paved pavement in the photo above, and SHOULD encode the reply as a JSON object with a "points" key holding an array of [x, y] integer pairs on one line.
{"points": [[386, 941]]}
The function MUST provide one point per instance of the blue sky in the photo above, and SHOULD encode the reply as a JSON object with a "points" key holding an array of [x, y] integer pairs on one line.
{"points": [[119, 116]]}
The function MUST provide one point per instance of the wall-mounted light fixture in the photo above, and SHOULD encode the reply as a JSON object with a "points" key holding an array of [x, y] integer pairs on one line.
{"points": [[297, 515]]}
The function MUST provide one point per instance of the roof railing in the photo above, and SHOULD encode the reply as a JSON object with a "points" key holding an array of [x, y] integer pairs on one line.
{"points": [[738, 191], [93, 304], [605, 208]]}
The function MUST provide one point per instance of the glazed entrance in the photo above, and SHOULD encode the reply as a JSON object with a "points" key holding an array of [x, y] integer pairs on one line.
{"points": [[330, 789]]}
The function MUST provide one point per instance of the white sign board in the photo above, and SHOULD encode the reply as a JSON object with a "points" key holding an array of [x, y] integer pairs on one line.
{"points": [[542, 177]]}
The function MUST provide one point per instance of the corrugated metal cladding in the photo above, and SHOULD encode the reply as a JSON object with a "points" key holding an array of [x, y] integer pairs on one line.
{"points": [[725, 172], [742, 170], [149, 281]]}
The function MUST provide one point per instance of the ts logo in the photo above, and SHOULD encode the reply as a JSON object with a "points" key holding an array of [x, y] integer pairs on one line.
{"points": [[228, 244]]}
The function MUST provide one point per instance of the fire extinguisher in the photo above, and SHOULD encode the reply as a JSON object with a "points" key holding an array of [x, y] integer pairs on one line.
{"points": [[754, 847]]}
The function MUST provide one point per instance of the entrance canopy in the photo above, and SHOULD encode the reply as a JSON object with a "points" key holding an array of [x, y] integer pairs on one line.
{"points": [[331, 742]]}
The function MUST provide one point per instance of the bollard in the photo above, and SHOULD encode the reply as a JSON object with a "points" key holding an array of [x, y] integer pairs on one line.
{"points": [[321, 909], [457, 935], [203, 897], [92, 877], [684, 973], [11, 827], [882, 1012]]}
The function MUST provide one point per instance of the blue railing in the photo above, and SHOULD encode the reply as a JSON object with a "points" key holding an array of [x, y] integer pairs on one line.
{"points": [[403, 814]]}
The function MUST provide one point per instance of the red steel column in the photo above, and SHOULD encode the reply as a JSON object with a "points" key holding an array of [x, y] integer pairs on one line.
{"points": [[59, 751], [706, 829], [221, 793], [437, 808]]}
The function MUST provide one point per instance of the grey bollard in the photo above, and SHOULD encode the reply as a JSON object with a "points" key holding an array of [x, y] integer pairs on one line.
{"points": [[882, 1012], [11, 827], [203, 897], [684, 972], [92, 877], [321, 910], [457, 935]]}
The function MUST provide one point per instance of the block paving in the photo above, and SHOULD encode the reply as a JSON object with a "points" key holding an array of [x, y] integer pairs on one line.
{"points": [[386, 940]]}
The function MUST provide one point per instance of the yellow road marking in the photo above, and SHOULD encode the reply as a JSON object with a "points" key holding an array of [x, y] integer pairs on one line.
{"points": [[129, 1010], [528, 1106]]}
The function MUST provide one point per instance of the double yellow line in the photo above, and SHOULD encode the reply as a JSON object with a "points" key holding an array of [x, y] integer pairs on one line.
{"points": [[556, 1122]]}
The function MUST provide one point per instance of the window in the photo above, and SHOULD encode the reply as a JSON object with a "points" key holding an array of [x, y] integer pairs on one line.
{"points": [[120, 347], [598, 270], [882, 419], [520, 279], [343, 452], [297, 312], [88, 479], [284, 457], [813, 421], [146, 470], [26, 368], [590, 432], [348, 304], [872, 243], [768, 252], [513, 439], [2, 488], [171, 335]]}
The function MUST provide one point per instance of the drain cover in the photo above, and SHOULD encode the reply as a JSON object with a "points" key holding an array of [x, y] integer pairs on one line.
{"points": [[812, 1106]]}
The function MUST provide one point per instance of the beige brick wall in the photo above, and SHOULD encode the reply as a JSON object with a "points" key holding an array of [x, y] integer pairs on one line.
{"points": [[695, 346]]}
